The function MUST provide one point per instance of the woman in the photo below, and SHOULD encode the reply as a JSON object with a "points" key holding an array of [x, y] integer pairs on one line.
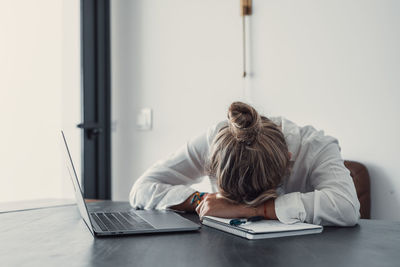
{"points": [[257, 167]]}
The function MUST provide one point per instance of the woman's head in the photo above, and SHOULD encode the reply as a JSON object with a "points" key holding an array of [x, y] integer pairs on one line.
{"points": [[249, 157]]}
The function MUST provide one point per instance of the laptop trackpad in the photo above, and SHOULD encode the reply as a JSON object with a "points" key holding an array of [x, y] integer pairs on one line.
{"points": [[165, 219]]}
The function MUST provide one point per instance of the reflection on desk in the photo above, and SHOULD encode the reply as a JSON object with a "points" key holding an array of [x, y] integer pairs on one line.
{"points": [[58, 237]]}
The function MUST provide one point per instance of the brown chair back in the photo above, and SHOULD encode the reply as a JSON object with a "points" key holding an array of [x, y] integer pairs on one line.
{"points": [[360, 176]]}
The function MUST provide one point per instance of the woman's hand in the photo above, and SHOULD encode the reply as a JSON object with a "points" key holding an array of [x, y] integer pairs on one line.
{"points": [[215, 205]]}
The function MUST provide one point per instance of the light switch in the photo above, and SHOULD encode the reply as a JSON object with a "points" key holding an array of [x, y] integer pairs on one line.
{"points": [[144, 119]]}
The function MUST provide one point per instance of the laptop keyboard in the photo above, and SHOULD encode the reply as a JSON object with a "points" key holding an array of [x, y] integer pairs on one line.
{"points": [[117, 221]]}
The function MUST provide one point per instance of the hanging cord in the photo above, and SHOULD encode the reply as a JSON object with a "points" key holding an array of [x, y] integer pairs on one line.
{"points": [[244, 47], [245, 10]]}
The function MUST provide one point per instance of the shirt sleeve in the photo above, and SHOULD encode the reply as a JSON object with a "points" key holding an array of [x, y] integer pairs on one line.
{"points": [[167, 182], [334, 200]]}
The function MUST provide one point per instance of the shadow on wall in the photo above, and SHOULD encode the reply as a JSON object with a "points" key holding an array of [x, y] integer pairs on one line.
{"points": [[382, 188]]}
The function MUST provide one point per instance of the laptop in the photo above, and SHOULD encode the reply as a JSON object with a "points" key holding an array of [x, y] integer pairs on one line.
{"points": [[125, 222]]}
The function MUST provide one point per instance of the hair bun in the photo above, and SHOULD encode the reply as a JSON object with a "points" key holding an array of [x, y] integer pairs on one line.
{"points": [[244, 122]]}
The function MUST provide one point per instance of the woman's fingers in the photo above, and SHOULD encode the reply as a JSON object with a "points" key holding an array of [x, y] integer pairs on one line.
{"points": [[198, 208], [202, 208], [207, 195]]}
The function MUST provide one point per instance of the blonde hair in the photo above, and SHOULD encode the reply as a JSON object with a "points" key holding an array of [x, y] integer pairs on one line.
{"points": [[249, 157]]}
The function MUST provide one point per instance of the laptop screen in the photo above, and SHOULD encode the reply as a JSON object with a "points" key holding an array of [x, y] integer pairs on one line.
{"points": [[77, 189]]}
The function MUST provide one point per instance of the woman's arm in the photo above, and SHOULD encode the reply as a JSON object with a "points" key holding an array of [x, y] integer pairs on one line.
{"points": [[167, 183], [187, 205], [334, 200], [215, 205]]}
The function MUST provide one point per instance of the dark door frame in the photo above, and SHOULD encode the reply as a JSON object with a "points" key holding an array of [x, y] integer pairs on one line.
{"points": [[96, 98]]}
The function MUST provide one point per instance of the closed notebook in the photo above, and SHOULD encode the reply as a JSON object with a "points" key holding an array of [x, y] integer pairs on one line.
{"points": [[262, 229]]}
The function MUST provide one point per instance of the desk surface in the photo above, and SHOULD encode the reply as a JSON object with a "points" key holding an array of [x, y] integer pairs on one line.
{"points": [[58, 237]]}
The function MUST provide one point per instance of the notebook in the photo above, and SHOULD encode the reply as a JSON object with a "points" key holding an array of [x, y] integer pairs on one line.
{"points": [[262, 229]]}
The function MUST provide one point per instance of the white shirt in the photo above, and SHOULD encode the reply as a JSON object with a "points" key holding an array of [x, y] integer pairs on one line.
{"points": [[319, 190]]}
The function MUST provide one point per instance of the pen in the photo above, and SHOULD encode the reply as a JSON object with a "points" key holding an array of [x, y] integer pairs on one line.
{"points": [[236, 222]]}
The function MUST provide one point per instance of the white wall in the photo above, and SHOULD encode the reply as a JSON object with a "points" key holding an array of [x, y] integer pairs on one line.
{"points": [[39, 71], [332, 64]]}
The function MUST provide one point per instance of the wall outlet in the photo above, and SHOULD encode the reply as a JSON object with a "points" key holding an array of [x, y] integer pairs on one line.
{"points": [[144, 120]]}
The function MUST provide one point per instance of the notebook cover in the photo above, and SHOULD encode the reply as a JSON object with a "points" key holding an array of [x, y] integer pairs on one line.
{"points": [[262, 229]]}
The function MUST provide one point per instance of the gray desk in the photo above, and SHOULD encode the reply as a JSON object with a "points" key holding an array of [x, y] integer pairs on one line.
{"points": [[58, 237]]}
